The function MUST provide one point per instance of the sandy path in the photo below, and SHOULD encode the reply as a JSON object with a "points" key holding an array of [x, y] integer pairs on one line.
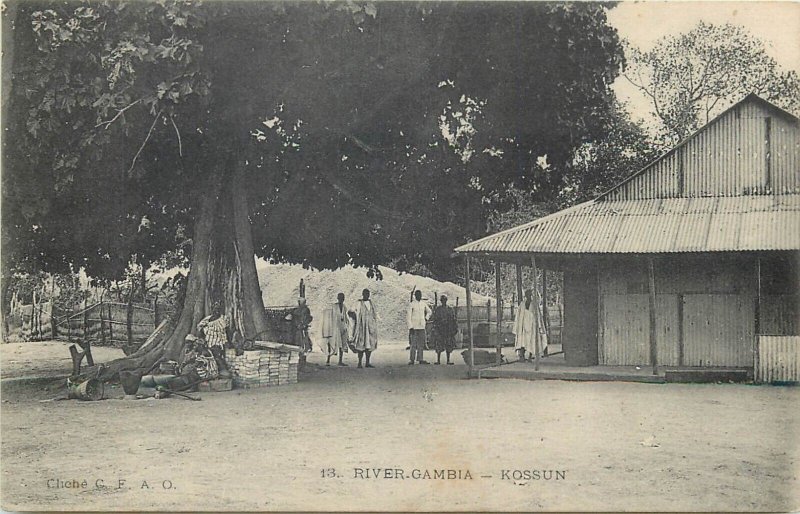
{"points": [[622, 446]]}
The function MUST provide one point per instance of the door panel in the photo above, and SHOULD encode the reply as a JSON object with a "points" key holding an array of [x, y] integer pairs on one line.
{"points": [[626, 329], [718, 330]]}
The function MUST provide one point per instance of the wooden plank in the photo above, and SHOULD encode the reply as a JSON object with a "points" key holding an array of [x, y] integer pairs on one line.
{"points": [[157, 332], [706, 376], [469, 321], [652, 305]]}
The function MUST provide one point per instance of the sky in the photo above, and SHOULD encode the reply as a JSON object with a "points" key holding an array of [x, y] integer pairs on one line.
{"points": [[644, 23]]}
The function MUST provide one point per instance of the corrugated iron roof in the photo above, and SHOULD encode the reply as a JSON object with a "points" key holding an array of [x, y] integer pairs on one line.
{"points": [[716, 224], [707, 157]]}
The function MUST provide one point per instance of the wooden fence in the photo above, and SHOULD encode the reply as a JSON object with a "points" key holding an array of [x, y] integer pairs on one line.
{"points": [[109, 323], [484, 323]]}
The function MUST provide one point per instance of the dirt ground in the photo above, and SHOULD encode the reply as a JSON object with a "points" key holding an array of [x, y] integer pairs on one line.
{"points": [[615, 446]]}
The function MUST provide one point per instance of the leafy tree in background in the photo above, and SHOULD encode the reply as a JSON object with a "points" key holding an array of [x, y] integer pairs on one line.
{"points": [[597, 166], [690, 77], [314, 133]]}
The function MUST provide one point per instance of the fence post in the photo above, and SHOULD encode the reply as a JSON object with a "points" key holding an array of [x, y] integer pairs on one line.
{"points": [[53, 320], [33, 316], [110, 325], [129, 319], [155, 312], [85, 319], [102, 322]]}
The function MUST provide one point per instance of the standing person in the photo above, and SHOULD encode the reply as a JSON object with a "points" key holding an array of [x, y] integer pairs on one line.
{"points": [[418, 314], [444, 330], [523, 326], [301, 319], [366, 334], [336, 329], [215, 332]]}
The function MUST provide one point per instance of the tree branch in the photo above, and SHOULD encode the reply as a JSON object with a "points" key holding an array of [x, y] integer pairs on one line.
{"points": [[178, 133], [361, 144], [120, 112], [144, 143], [363, 202]]}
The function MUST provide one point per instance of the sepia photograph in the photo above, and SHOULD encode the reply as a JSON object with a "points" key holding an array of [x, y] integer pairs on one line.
{"points": [[400, 256]]}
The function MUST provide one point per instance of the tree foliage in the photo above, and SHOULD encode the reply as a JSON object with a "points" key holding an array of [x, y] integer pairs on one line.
{"points": [[311, 132], [690, 77], [120, 111], [597, 166]]}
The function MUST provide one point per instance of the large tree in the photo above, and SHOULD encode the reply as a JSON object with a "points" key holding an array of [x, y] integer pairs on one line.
{"points": [[320, 133], [690, 77]]}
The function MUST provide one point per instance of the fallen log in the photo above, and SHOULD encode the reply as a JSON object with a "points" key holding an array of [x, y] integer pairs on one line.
{"points": [[145, 358]]}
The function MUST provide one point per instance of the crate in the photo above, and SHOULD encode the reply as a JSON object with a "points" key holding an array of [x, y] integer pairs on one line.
{"points": [[218, 385]]}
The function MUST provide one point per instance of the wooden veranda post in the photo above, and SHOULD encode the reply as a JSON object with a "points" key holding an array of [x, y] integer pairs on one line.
{"points": [[536, 344], [499, 356], [756, 353], [471, 361], [545, 314], [652, 296], [519, 283]]}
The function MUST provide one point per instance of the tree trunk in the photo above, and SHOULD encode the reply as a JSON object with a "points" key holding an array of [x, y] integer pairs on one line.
{"points": [[251, 290], [144, 281], [4, 304], [222, 273]]}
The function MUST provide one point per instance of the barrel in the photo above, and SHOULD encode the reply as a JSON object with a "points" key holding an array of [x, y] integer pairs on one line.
{"points": [[156, 380], [130, 381], [91, 389]]}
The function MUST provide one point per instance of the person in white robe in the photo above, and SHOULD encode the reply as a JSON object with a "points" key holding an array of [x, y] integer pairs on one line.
{"points": [[336, 330], [365, 340], [524, 326]]}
